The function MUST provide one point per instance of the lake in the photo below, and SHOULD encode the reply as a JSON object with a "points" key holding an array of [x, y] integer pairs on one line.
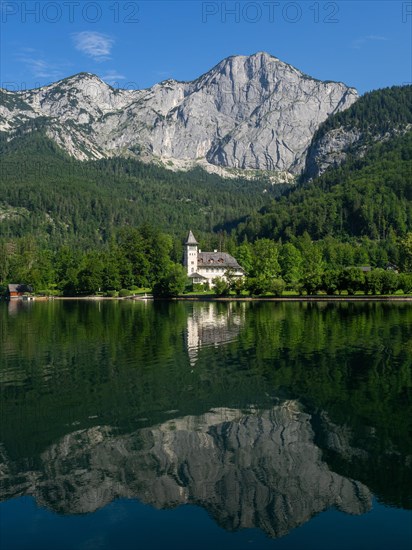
{"points": [[205, 425]]}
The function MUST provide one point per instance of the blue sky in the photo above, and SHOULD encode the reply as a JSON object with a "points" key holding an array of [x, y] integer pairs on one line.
{"points": [[135, 44]]}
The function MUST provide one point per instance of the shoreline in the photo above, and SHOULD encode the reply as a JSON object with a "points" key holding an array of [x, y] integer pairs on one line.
{"points": [[201, 298], [294, 298]]}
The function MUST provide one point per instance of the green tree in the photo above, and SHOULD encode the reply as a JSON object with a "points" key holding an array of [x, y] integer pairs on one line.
{"points": [[111, 279], [290, 261], [132, 248], [351, 279], [374, 281], [405, 282], [256, 286], [406, 253], [67, 266], [389, 282], [312, 265], [4, 261], [90, 277], [238, 285], [264, 268], [172, 283], [330, 281], [278, 287], [221, 286], [265, 259], [244, 255]]}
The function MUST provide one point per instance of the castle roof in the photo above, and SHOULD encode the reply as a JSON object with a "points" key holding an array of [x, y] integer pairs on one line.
{"points": [[196, 276], [218, 259], [191, 239]]}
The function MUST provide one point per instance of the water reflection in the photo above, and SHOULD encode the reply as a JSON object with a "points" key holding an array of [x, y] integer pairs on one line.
{"points": [[211, 325], [263, 414], [18, 306], [248, 469]]}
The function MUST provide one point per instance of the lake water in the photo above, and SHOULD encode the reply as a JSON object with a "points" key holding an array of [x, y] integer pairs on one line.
{"points": [[205, 425]]}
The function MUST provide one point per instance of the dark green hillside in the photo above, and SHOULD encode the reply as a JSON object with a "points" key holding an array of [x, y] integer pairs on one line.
{"points": [[376, 112], [369, 196], [47, 194]]}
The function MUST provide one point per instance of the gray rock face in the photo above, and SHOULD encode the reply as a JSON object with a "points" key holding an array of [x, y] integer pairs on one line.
{"points": [[248, 470], [248, 112], [332, 148]]}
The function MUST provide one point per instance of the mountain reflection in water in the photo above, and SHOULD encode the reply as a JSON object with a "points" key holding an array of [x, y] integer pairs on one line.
{"points": [[260, 469], [262, 414]]}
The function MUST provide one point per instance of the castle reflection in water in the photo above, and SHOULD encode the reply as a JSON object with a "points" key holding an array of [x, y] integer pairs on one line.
{"points": [[211, 325]]}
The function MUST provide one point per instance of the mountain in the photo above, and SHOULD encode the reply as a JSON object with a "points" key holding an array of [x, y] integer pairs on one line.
{"points": [[248, 112], [377, 116], [357, 178]]}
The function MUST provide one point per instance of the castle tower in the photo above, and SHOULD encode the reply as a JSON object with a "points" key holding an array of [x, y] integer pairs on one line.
{"points": [[190, 255]]}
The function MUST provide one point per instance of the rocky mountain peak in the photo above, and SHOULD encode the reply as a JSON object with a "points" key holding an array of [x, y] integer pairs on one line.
{"points": [[248, 112]]}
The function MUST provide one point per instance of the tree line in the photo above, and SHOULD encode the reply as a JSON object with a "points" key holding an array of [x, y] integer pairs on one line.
{"points": [[144, 257], [306, 266]]}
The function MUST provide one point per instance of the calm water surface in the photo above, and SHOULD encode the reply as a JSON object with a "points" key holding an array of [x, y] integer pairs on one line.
{"points": [[205, 425]]}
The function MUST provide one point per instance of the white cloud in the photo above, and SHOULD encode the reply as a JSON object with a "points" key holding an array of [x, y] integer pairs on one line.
{"points": [[112, 77], [359, 42], [38, 66], [95, 45]]}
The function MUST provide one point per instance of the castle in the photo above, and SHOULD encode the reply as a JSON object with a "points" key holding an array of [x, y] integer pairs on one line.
{"points": [[204, 267]]}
